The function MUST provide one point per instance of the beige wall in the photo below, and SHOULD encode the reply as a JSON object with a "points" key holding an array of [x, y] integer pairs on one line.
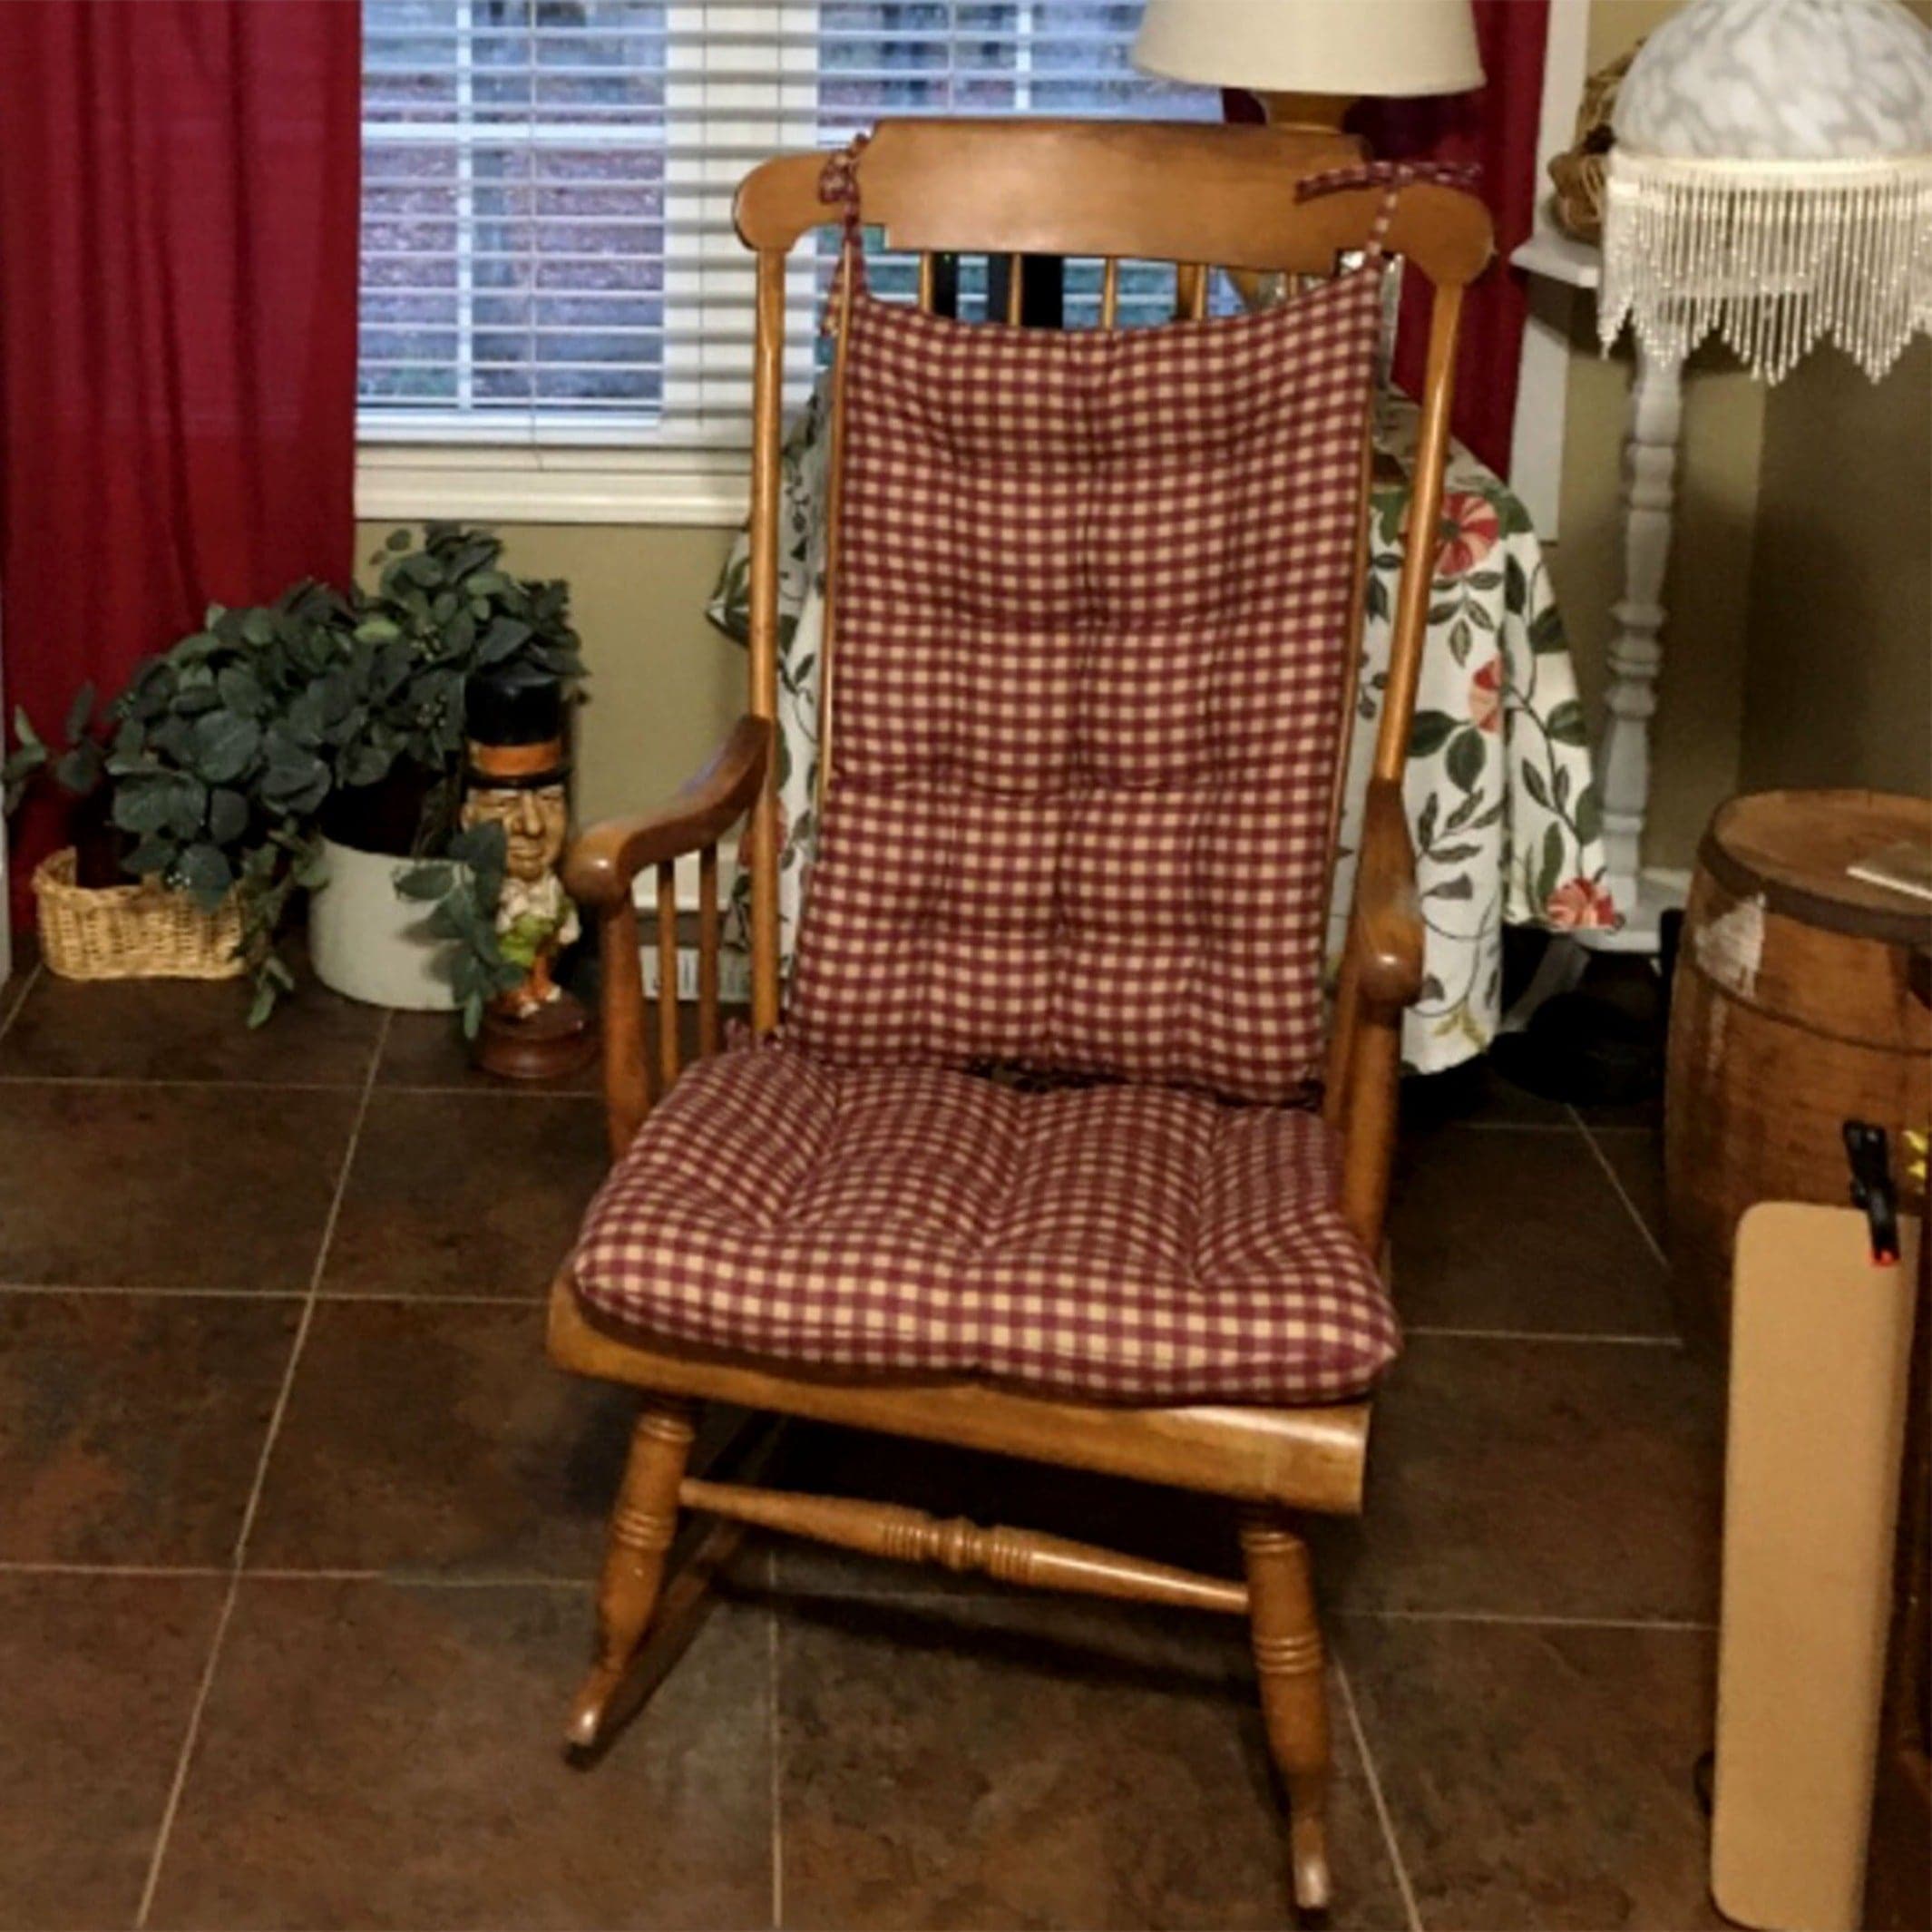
{"points": [[1838, 687], [664, 686], [1695, 733]]}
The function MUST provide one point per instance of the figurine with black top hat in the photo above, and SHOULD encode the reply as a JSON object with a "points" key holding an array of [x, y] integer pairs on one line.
{"points": [[515, 768]]}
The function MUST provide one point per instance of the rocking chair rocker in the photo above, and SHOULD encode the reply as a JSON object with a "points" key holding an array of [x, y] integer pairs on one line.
{"points": [[1094, 610]]}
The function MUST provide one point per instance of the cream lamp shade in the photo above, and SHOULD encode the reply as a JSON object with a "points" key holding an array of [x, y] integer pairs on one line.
{"points": [[1348, 47], [1772, 183]]}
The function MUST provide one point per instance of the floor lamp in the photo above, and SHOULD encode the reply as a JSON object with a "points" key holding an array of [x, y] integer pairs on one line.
{"points": [[1770, 184]]}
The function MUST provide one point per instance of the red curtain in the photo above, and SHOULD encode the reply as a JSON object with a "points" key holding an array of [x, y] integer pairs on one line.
{"points": [[1495, 126], [179, 183]]}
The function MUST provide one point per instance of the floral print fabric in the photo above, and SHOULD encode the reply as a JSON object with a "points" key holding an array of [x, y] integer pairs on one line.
{"points": [[1503, 805]]}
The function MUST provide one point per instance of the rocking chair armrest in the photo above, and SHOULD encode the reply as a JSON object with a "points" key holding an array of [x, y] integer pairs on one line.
{"points": [[1386, 933], [603, 861]]}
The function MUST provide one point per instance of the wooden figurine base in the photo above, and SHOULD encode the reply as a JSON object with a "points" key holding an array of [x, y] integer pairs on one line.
{"points": [[554, 1042]]}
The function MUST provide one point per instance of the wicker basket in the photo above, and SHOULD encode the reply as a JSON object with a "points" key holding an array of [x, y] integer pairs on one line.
{"points": [[137, 931], [1579, 173], [1579, 178]]}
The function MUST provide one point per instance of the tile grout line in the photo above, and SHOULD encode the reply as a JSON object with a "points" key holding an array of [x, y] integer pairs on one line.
{"points": [[423, 1579], [1481, 1619], [774, 1740], [244, 1085], [1378, 1797], [20, 998], [278, 1573], [502, 1091], [923, 1599], [354, 1297], [192, 1735], [172, 1083], [168, 1290], [171, 1572], [1415, 1329], [1623, 1193], [193, 1292], [1524, 1619]]}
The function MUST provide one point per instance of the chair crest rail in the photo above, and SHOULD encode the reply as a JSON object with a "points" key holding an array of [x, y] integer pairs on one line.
{"points": [[1147, 190]]}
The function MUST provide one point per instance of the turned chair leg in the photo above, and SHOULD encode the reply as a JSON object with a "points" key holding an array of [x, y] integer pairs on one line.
{"points": [[1293, 1695], [641, 1528]]}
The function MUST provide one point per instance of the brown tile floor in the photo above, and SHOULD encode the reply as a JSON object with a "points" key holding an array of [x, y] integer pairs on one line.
{"points": [[297, 1530]]}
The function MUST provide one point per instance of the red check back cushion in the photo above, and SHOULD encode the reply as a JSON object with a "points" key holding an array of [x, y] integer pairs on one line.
{"points": [[1088, 675]]}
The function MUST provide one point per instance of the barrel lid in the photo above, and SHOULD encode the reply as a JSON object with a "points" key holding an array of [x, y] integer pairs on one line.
{"points": [[1793, 848]]}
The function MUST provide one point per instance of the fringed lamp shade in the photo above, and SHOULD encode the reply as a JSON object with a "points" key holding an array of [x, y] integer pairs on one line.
{"points": [[1772, 183]]}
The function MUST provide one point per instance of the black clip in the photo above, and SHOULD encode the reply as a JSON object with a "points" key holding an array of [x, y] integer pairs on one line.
{"points": [[1872, 1189]]}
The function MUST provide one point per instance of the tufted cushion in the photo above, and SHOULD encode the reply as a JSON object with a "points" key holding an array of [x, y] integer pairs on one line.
{"points": [[1124, 1243], [1091, 640]]}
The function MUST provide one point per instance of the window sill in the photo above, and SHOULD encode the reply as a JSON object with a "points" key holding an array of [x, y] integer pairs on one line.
{"points": [[413, 483]]}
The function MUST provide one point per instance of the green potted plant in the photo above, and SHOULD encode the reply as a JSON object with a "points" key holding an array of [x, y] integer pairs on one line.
{"points": [[442, 613], [225, 747]]}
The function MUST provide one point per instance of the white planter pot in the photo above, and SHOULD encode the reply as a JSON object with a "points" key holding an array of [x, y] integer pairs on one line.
{"points": [[369, 942]]}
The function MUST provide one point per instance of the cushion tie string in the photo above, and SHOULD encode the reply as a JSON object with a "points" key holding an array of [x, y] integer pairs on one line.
{"points": [[1391, 178], [838, 182]]}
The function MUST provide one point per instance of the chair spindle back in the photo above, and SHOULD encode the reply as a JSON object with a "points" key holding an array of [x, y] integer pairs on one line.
{"points": [[1199, 197]]}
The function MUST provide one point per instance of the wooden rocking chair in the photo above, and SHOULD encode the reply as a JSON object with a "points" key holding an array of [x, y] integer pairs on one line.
{"points": [[1161, 1267]]}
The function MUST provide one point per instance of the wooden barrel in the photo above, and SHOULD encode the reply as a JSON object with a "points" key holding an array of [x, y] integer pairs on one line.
{"points": [[1801, 1001]]}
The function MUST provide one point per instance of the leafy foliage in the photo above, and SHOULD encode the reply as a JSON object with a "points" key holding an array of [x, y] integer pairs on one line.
{"points": [[223, 750], [457, 612], [77, 769], [466, 889]]}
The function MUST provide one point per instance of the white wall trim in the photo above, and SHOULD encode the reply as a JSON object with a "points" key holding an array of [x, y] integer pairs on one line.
{"points": [[734, 968], [734, 974], [522, 483], [1543, 374], [644, 887]]}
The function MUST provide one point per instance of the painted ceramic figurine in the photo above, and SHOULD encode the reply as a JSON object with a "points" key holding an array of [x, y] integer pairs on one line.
{"points": [[517, 766], [535, 917]]}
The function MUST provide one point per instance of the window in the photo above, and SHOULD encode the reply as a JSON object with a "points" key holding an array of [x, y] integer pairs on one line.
{"points": [[547, 249]]}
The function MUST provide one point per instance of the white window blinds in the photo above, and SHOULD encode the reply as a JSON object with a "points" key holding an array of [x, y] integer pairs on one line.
{"points": [[547, 245]]}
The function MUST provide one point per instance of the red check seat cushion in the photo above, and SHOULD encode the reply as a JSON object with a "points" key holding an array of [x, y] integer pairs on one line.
{"points": [[1121, 1244]]}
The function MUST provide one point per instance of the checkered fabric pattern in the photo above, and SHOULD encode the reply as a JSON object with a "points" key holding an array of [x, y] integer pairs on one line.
{"points": [[1115, 1242], [1091, 651]]}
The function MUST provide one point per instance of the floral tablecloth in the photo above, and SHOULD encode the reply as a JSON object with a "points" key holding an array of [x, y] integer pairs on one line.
{"points": [[1501, 797]]}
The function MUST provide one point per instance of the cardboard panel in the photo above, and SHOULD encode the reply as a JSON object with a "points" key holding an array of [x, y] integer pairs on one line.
{"points": [[1820, 1346]]}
